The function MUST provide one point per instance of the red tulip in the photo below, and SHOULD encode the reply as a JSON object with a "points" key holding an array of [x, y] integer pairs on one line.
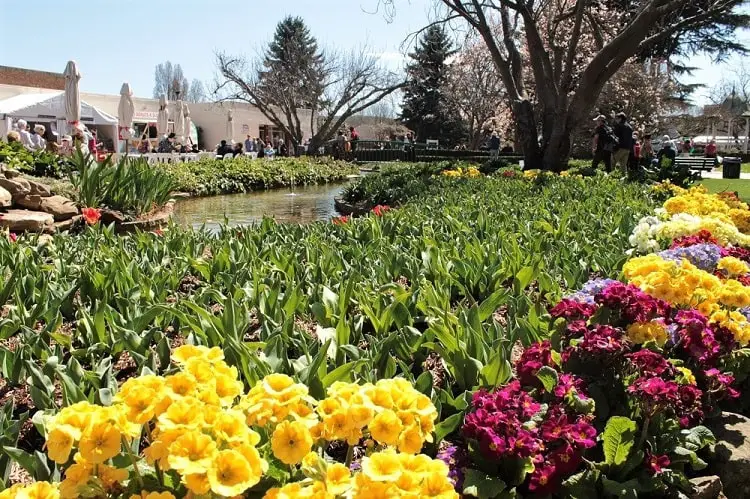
{"points": [[91, 215], [13, 237], [340, 220], [380, 209]]}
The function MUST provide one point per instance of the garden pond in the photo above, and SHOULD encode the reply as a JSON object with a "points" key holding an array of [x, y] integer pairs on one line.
{"points": [[302, 204]]}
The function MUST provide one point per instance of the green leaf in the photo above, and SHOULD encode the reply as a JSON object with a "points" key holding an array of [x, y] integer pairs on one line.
{"points": [[424, 383], [548, 377], [479, 484], [618, 438], [23, 458], [448, 426], [341, 373], [582, 485]]}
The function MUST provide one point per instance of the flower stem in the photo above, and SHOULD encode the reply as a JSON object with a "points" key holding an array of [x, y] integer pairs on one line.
{"points": [[349, 456], [644, 432], [137, 472], [159, 473]]}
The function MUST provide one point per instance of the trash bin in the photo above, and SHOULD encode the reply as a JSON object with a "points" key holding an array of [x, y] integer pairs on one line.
{"points": [[731, 168]]}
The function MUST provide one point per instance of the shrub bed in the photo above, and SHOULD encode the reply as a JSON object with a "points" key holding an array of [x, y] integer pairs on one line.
{"points": [[437, 293], [210, 176]]}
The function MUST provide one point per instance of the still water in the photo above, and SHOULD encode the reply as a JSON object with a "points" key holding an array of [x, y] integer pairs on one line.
{"points": [[301, 205]]}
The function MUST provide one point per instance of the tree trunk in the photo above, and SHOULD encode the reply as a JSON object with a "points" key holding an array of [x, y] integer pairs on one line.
{"points": [[528, 139], [557, 148]]}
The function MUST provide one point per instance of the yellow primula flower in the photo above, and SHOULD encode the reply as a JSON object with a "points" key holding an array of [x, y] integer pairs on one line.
{"points": [[291, 441], [382, 466], [733, 266], [386, 427], [642, 332], [153, 495], [338, 479], [99, 442], [192, 453], [60, 440], [230, 474]]}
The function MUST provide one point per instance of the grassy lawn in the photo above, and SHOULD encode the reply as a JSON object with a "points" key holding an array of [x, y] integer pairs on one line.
{"points": [[741, 187], [745, 168]]}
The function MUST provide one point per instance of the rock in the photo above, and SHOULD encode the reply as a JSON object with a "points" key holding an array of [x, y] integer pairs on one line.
{"points": [[730, 458], [44, 240], [6, 199], [68, 224], [28, 201], [110, 216], [38, 188], [25, 220], [707, 487], [60, 207], [10, 173], [15, 187]]}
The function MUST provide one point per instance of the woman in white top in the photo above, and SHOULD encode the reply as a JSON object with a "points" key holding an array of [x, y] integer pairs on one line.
{"points": [[24, 134], [39, 144]]}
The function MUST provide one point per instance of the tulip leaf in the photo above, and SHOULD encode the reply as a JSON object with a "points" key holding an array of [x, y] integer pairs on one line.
{"points": [[482, 485]]}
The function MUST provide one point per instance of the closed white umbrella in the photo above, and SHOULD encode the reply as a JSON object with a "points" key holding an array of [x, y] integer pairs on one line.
{"points": [[179, 121], [72, 94], [188, 133], [162, 120], [125, 113], [230, 126]]}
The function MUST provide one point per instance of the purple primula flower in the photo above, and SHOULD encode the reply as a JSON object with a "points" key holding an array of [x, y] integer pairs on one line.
{"points": [[591, 288], [704, 256]]}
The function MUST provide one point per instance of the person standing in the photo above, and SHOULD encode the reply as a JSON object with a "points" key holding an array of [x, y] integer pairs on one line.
{"points": [[353, 138], [711, 149], [667, 154], [636, 158], [494, 145], [647, 150], [624, 134], [249, 146], [37, 139], [24, 134], [166, 145], [604, 143]]}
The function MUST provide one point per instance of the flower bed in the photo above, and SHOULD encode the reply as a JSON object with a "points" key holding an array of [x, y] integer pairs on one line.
{"points": [[430, 293], [614, 403]]}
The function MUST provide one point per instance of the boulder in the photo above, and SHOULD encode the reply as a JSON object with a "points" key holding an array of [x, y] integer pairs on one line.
{"points": [[110, 216], [68, 224], [15, 187], [6, 199], [25, 220], [39, 189], [707, 487], [28, 201], [60, 207], [730, 456], [10, 173]]}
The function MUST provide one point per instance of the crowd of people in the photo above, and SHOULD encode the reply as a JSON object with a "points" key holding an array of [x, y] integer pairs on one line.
{"points": [[618, 146], [39, 138]]}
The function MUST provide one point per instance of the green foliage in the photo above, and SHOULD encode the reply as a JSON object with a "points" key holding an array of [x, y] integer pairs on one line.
{"points": [[210, 176], [619, 438], [131, 186], [39, 164]]}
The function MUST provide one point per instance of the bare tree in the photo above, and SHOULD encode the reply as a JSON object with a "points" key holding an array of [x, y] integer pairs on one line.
{"points": [[550, 41], [196, 92], [736, 82], [169, 80], [475, 87], [347, 84]]}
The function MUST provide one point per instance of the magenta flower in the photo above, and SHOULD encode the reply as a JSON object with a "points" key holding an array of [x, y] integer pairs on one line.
{"points": [[572, 309], [655, 394], [689, 407], [533, 358], [650, 363], [656, 464], [719, 384], [633, 304]]}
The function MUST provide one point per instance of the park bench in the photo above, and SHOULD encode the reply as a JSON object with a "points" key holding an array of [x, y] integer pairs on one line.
{"points": [[696, 163]]}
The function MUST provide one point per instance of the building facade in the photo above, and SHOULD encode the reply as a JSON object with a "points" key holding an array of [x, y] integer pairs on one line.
{"points": [[210, 118]]}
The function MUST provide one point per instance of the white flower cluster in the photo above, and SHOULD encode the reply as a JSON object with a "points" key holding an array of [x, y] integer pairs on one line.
{"points": [[643, 238]]}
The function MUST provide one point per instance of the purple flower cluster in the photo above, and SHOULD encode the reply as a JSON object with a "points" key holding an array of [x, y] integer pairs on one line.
{"points": [[599, 343], [457, 460], [591, 289], [498, 422], [650, 363], [719, 384], [704, 256], [659, 395], [633, 304]]}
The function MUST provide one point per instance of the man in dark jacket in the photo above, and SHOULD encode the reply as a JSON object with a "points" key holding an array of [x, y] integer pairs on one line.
{"points": [[624, 132], [603, 144]]}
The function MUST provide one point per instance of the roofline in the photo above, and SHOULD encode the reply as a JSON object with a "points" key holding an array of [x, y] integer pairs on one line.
{"points": [[16, 68]]}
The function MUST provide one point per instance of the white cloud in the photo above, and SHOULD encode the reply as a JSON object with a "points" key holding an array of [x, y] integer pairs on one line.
{"points": [[388, 56]]}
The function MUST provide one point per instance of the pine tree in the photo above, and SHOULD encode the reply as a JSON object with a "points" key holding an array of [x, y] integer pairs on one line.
{"points": [[426, 109], [294, 61]]}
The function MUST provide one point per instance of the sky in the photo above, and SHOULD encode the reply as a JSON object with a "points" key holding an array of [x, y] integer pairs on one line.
{"points": [[116, 41]]}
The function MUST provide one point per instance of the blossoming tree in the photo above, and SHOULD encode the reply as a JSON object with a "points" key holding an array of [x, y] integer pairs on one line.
{"points": [[567, 83]]}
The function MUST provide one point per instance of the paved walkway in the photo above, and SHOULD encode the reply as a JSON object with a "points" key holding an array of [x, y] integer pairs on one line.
{"points": [[717, 174]]}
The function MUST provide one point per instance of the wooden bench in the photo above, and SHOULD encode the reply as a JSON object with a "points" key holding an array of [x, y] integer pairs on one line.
{"points": [[700, 164]]}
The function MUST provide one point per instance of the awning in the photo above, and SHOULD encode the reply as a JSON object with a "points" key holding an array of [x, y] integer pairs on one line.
{"points": [[50, 106]]}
